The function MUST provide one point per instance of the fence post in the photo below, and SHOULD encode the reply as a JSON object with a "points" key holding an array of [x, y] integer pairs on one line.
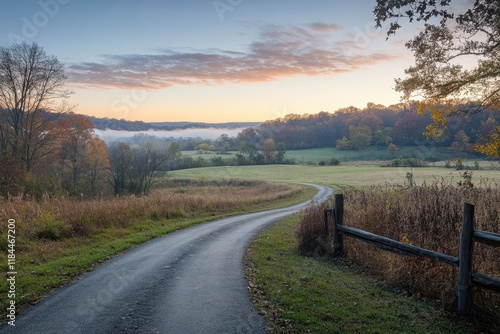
{"points": [[338, 219], [325, 220], [465, 261]]}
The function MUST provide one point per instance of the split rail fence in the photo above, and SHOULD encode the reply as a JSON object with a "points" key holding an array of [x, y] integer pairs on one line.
{"points": [[466, 277]]}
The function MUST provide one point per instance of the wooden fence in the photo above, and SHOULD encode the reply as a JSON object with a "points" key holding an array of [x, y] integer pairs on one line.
{"points": [[466, 277]]}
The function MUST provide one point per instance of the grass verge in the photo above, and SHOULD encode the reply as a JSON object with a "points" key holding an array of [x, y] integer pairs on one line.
{"points": [[43, 265], [303, 295]]}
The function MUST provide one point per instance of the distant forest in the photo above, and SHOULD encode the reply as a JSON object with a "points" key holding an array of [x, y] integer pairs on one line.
{"points": [[346, 129], [376, 125], [124, 125]]}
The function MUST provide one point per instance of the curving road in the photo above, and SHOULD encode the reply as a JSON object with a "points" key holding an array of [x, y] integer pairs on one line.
{"points": [[190, 281]]}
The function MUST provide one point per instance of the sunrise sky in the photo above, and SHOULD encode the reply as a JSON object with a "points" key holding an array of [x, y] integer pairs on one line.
{"points": [[213, 61]]}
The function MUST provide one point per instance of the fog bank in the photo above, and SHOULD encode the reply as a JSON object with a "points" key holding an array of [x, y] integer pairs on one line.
{"points": [[204, 133]]}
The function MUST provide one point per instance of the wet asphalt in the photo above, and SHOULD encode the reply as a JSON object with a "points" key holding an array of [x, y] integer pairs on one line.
{"points": [[189, 281]]}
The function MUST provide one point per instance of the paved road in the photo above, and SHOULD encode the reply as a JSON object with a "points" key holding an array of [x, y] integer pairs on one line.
{"points": [[190, 281]]}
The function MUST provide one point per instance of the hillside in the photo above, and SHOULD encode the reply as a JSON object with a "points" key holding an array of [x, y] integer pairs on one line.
{"points": [[124, 125]]}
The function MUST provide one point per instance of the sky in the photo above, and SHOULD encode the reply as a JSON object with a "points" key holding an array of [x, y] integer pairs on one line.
{"points": [[213, 60]]}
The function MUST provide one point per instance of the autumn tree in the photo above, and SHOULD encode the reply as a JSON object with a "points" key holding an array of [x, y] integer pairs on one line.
{"points": [[457, 67], [269, 150], [461, 142], [392, 148], [97, 162], [75, 132], [83, 156], [343, 144]]}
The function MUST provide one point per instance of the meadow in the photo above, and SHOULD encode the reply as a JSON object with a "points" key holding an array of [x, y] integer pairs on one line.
{"points": [[315, 155], [343, 176]]}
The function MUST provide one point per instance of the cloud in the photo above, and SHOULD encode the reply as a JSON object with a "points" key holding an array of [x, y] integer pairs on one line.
{"points": [[320, 26], [312, 50]]}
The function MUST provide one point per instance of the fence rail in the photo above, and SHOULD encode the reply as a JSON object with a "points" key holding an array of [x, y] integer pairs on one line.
{"points": [[466, 278]]}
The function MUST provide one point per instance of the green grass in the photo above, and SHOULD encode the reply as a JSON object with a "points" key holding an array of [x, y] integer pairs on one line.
{"points": [[338, 176], [315, 155], [303, 295]]}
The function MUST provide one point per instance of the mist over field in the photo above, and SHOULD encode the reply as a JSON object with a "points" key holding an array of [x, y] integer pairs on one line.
{"points": [[204, 133]]}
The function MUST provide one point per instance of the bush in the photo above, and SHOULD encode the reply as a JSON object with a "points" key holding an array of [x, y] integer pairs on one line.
{"points": [[50, 228], [331, 162], [334, 162], [408, 162], [312, 235]]}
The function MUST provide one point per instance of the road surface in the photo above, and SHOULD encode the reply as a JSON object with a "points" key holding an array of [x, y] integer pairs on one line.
{"points": [[190, 281]]}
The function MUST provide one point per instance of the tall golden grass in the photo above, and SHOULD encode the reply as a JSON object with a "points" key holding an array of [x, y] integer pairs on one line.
{"points": [[58, 219], [427, 216]]}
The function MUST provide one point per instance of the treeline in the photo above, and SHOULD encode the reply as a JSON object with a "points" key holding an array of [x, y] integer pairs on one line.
{"points": [[126, 125], [376, 125], [60, 155]]}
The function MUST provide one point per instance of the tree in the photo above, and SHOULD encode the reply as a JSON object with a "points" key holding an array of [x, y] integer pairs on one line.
{"points": [[281, 151], [75, 132], [461, 143], [392, 148], [343, 144], [97, 160], [145, 162], [30, 84], [269, 150], [120, 158], [452, 39], [359, 137]]}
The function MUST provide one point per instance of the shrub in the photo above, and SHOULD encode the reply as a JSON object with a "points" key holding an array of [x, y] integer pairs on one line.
{"points": [[334, 162], [50, 228], [312, 235], [408, 162]]}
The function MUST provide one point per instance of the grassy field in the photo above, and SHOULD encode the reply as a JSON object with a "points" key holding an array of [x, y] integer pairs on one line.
{"points": [[303, 295], [338, 176], [315, 155]]}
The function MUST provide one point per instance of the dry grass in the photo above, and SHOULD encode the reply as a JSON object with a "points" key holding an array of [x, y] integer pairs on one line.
{"points": [[427, 216], [58, 239], [58, 219]]}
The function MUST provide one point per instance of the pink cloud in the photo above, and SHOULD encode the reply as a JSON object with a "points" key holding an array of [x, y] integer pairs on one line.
{"points": [[279, 52]]}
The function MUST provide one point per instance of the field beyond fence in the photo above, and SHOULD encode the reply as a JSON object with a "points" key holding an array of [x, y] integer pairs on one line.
{"points": [[429, 217]]}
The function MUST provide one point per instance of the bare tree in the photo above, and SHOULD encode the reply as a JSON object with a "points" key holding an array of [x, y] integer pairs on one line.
{"points": [[31, 83]]}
